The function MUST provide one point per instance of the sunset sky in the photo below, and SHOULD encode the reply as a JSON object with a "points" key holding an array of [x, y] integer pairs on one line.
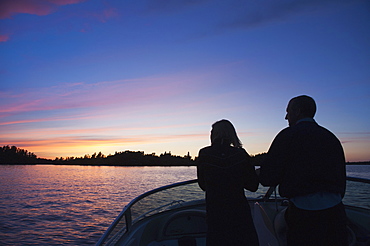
{"points": [[83, 76]]}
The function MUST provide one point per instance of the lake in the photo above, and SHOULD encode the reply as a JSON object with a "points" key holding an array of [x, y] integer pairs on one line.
{"points": [[74, 205]]}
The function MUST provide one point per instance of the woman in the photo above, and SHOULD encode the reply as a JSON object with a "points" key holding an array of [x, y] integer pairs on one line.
{"points": [[224, 171]]}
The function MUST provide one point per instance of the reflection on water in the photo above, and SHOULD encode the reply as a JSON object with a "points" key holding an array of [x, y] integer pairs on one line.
{"points": [[54, 205], [357, 194], [359, 171], [74, 205]]}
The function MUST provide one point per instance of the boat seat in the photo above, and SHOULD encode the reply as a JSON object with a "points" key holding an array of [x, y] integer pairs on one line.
{"points": [[184, 227], [281, 227], [281, 230], [264, 226], [186, 222], [181, 242]]}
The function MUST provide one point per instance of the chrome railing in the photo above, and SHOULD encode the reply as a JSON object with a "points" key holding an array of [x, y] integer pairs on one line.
{"points": [[125, 217]]}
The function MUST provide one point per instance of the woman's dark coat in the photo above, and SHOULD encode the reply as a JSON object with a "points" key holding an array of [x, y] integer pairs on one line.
{"points": [[224, 172]]}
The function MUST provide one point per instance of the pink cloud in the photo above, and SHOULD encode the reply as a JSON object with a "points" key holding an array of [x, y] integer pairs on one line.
{"points": [[105, 14], [112, 93], [8, 8], [109, 13], [4, 38], [65, 2], [73, 117]]}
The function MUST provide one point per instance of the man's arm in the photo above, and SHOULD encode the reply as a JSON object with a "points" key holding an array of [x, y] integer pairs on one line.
{"points": [[200, 172], [273, 166]]}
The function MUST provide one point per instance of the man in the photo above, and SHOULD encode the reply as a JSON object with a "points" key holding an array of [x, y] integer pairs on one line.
{"points": [[307, 162]]}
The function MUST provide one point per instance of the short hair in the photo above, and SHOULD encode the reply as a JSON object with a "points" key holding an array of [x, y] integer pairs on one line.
{"points": [[225, 131], [305, 104]]}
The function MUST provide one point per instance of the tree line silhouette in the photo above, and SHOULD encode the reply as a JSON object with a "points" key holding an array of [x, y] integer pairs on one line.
{"points": [[14, 155]]}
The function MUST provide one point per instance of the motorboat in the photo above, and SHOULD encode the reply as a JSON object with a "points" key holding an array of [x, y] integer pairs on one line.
{"points": [[175, 215]]}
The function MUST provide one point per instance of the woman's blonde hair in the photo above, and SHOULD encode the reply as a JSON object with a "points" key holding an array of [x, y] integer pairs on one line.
{"points": [[223, 130]]}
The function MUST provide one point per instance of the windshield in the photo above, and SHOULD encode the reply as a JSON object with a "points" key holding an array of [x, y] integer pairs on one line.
{"points": [[176, 196], [165, 199]]}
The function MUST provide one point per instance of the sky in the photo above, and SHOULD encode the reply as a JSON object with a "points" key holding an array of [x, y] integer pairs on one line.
{"points": [[84, 76]]}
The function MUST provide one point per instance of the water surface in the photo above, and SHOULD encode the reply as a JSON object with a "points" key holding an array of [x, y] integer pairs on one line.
{"points": [[55, 205], [74, 205]]}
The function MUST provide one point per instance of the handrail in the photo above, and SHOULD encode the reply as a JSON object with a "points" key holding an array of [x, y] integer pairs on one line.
{"points": [[158, 208], [361, 180], [348, 178], [269, 192], [127, 209], [160, 189]]}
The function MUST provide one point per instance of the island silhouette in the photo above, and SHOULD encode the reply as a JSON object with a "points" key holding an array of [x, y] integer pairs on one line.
{"points": [[12, 155]]}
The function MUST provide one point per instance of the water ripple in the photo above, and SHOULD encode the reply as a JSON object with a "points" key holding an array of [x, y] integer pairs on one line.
{"points": [[71, 205], [74, 205]]}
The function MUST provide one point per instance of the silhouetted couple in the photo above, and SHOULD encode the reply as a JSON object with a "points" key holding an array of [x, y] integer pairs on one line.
{"points": [[305, 160]]}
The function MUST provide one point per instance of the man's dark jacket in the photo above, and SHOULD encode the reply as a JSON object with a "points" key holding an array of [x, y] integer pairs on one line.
{"points": [[303, 159]]}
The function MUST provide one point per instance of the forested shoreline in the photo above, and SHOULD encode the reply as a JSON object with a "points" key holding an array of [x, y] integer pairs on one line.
{"points": [[11, 155]]}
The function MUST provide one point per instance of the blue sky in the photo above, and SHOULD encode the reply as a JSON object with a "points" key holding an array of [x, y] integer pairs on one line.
{"points": [[83, 76]]}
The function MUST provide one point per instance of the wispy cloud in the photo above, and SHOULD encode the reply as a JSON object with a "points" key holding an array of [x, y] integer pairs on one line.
{"points": [[9, 8], [77, 118], [4, 38], [105, 95], [239, 14], [108, 14], [107, 131], [48, 119], [354, 133], [72, 145], [73, 141], [171, 5], [115, 100], [354, 137], [81, 95], [86, 141]]}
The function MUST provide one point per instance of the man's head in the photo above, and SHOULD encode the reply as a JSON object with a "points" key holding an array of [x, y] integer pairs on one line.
{"points": [[299, 108]]}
